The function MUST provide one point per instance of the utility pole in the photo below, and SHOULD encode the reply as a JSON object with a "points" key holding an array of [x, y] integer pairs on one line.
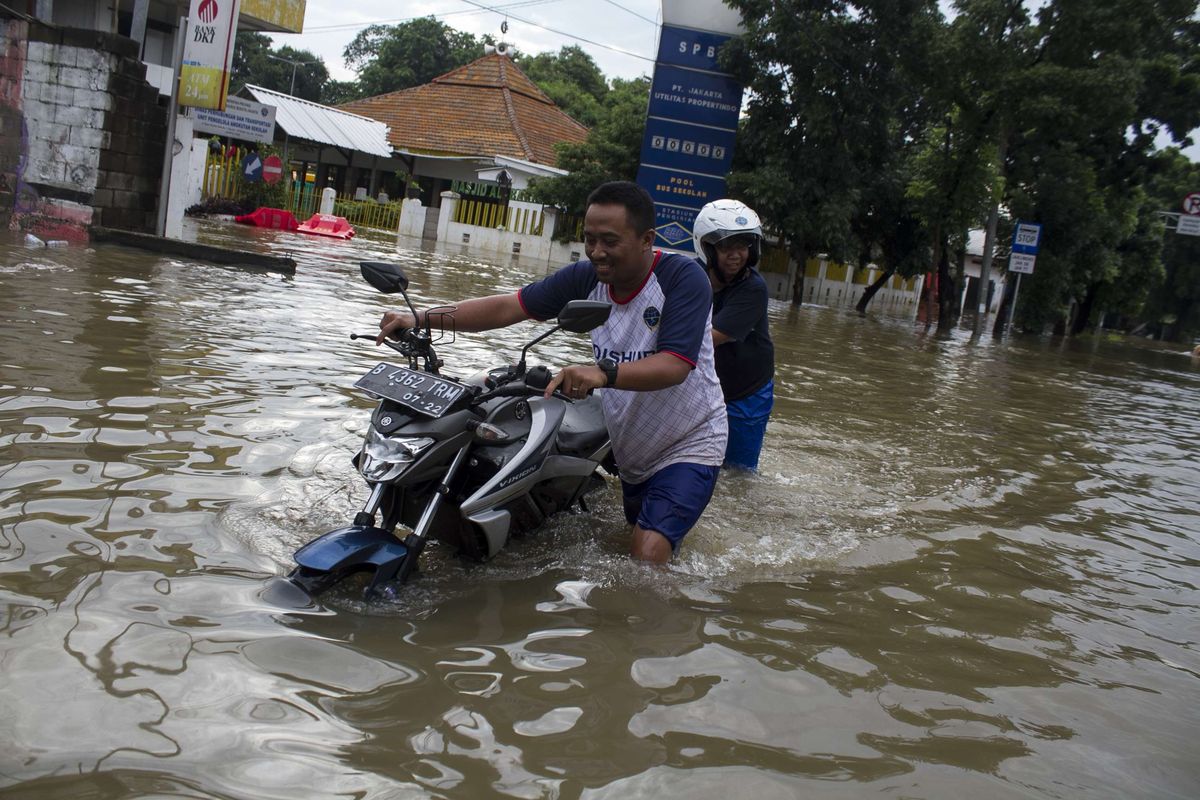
{"points": [[287, 165], [164, 191]]}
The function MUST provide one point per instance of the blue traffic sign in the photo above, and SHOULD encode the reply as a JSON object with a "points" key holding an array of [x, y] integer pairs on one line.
{"points": [[1027, 238], [252, 168]]}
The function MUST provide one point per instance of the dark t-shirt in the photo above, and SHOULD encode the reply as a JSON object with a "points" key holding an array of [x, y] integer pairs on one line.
{"points": [[746, 363]]}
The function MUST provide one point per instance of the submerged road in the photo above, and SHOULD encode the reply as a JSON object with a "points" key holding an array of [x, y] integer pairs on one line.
{"points": [[966, 569]]}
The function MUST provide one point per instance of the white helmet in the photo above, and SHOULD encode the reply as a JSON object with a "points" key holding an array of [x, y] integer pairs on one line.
{"points": [[721, 219]]}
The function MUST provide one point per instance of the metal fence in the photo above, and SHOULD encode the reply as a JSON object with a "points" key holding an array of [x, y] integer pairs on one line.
{"points": [[494, 215], [222, 175], [368, 213], [223, 179]]}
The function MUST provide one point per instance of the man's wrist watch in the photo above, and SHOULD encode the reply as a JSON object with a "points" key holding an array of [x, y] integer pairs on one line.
{"points": [[609, 367]]}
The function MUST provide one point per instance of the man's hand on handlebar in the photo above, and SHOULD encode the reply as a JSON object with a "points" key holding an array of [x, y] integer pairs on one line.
{"points": [[392, 323], [576, 382]]}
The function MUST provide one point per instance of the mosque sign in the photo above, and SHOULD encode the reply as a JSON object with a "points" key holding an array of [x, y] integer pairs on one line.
{"points": [[691, 122]]}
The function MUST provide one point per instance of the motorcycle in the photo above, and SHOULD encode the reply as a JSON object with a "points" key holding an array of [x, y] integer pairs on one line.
{"points": [[467, 462]]}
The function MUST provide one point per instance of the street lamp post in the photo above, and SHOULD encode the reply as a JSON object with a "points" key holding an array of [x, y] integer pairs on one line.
{"points": [[291, 93]]}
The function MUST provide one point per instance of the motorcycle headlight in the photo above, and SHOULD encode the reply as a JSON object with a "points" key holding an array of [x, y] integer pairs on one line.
{"points": [[385, 457]]}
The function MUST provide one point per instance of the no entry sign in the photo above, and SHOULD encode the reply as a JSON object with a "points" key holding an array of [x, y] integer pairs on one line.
{"points": [[272, 169]]}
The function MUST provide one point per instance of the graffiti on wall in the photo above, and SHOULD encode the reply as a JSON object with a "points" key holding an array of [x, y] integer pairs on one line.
{"points": [[12, 148], [22, 204]]}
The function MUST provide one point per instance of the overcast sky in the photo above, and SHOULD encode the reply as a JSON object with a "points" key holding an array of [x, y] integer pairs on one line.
{"points": [[609, 26], [621, 35]]}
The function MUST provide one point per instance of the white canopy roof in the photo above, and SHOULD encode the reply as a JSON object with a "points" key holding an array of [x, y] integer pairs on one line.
{"points": [[317, 123]]}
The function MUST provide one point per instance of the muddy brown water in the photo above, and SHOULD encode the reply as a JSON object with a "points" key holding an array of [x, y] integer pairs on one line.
{"points": [[966, 568]]}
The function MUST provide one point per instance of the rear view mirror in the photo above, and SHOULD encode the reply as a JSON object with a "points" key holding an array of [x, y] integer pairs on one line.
{"points": [[387, 278], [581, 316]]}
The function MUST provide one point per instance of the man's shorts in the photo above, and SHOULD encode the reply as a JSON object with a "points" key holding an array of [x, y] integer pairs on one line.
{"points": [[671, 500]]}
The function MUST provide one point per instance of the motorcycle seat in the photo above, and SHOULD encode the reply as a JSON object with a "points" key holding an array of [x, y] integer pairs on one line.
{"points": [[583, 430]]}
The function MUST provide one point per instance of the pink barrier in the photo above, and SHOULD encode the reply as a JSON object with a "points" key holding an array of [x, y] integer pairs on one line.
{"points": [[327, 225]]}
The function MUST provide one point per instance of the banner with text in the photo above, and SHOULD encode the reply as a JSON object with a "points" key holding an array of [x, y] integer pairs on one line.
{"points": [[691, 125], [208, 53], [241, 119]]}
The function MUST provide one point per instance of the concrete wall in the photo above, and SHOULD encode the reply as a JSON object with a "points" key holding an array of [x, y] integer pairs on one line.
{"points": [[495, 242], [412, 218], [827, 283], [81, 132]]}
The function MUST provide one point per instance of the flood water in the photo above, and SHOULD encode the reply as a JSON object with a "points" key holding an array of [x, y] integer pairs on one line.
{"points": [[967, 569]]}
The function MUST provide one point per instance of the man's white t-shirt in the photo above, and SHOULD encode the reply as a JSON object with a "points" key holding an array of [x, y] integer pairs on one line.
{"points": [[670, 313]]}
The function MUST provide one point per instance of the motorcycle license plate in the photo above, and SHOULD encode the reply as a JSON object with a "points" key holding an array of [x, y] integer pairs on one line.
{"points": [[424, 393]]}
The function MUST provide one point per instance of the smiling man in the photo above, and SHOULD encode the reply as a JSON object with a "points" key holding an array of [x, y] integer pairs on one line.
{"points": [[654, 362]]}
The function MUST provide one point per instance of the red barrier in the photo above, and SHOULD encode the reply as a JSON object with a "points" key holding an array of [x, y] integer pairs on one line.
{"points": [[275, 218], [327, 225]]}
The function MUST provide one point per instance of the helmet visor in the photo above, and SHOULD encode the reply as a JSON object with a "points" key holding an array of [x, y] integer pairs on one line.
{"points": [[736, 242]]}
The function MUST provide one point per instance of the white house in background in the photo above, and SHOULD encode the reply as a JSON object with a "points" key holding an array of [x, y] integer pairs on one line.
{"points": [[972, 269]]}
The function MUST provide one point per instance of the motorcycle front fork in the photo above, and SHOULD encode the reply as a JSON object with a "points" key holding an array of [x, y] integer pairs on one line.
{"points": [[415, 541]]}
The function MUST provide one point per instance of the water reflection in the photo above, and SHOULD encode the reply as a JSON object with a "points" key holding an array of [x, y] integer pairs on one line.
{"points": [[966, 567]]}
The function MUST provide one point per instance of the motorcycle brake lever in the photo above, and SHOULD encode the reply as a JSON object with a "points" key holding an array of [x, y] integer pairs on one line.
{"points": [[397, 346]]}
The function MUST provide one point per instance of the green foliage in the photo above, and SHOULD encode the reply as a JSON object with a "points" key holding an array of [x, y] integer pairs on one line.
{"points": [[834, 95], [881, 130], [388, 58], [1172, 310], [612, 151], [260, 193], [253, 63], [1083, 109], [338, 92], [572, 80]]}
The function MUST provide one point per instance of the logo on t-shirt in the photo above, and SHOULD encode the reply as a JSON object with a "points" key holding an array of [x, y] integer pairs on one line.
{"points": [[652, 316]]}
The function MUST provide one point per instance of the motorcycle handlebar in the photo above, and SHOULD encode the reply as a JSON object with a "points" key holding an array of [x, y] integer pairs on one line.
{"points": [[401, 335], [522, 389]]}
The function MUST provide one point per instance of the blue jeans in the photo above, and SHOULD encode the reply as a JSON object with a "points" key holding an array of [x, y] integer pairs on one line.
{"points": [[747, 426]]}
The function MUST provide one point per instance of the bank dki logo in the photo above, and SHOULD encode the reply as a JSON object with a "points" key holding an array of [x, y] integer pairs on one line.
{"points": [[208, 11]]}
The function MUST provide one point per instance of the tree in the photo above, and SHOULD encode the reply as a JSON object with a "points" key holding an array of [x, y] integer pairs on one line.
{"points": [[827, 83], [1172, 308], [572, 80], [611, 152], [959, 172], [338, 92], [255, 62], [887, 225], [388, 58], [1106, 79]]}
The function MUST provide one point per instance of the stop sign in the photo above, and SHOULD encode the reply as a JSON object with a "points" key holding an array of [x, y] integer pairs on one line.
{"points": [[272, 169]]}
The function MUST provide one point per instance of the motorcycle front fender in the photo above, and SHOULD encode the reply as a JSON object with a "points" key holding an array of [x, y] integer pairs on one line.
{"points": [[355, 546]]}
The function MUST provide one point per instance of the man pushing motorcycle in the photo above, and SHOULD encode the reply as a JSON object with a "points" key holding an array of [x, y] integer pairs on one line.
{"points": [[662, 401]]}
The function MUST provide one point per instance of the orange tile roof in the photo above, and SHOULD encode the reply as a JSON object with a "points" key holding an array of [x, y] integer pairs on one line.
{"points": [[486, 108]]}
